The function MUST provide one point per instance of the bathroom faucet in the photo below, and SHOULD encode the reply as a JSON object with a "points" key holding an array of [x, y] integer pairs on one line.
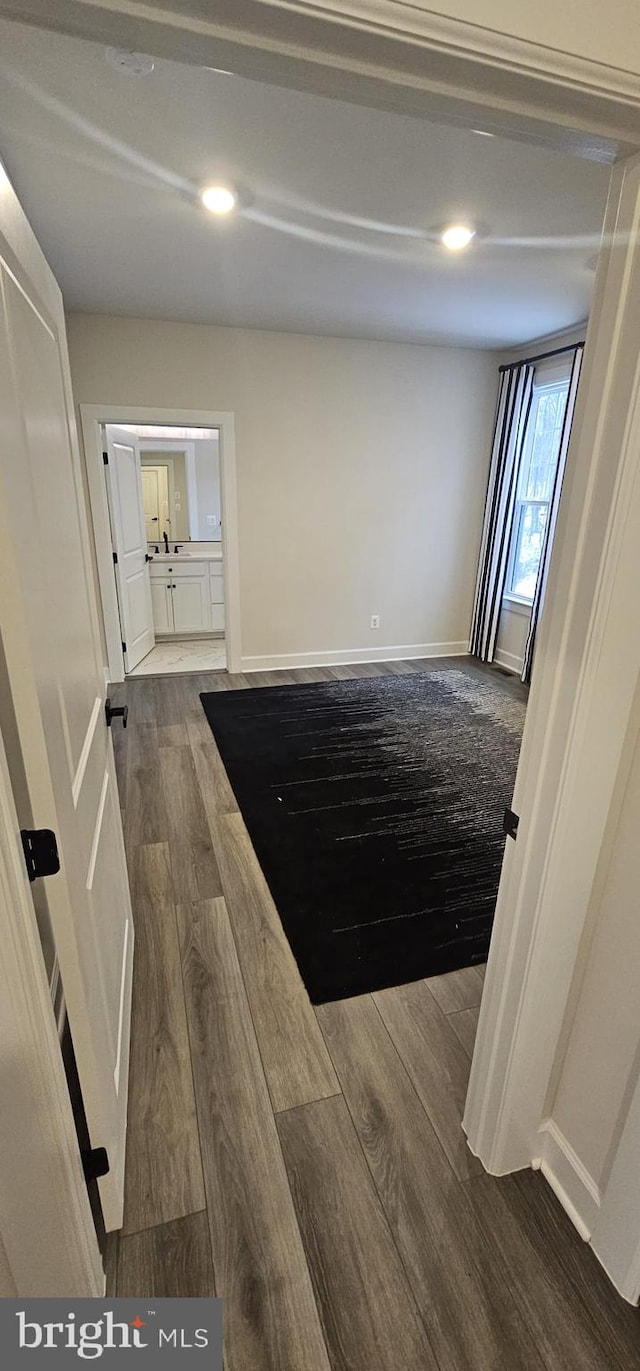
{"points": [[166, 540]]}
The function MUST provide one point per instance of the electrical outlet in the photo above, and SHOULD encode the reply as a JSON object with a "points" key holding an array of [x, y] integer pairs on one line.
{"points": [[375, 621]]}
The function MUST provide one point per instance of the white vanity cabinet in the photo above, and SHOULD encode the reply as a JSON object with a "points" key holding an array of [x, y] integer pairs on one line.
{"points": [[181, 597], [161, 603], [217, 596]]}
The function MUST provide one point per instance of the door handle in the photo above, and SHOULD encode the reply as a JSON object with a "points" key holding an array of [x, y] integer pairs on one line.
{"points": [[116, 712]]}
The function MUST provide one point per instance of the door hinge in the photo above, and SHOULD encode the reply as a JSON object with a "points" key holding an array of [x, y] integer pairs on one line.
{"points": [[124, 647], [105, 458], [40, 852], [115, 559], [510, 823], [95, 1162]]}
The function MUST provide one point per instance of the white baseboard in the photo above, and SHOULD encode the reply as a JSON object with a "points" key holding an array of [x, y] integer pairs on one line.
{"points": [[285, 661], [569, 1179], [509, 661]]}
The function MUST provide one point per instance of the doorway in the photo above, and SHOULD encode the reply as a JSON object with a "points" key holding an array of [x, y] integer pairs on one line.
{"points": [[163, 498]]}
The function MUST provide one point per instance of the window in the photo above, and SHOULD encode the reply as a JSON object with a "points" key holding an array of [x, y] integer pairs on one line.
{"points": [[538, 463]]}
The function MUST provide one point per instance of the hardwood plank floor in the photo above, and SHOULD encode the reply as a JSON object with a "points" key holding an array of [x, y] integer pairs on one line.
{"points": [[167, 1262], [217, 795], [193, 864], [464, 1023], [143, 798], [296, 1062], [367, 1308], [456, 989], [436, 1062], [163, 1178], [431, 1218], [260, 1268], [388, 1258], [537, 1276]]}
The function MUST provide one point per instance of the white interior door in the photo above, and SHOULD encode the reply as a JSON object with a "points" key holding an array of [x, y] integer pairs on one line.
{"points": [[126, 509], [155, 498], [151, 502], [56, 682]]}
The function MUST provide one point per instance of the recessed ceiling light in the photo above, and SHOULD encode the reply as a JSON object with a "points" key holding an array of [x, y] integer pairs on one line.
{"points": [[218, 199], [457, 236], [483, 133], [129, 63]]}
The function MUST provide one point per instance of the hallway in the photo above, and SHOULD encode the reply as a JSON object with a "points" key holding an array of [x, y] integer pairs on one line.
{"points": [[309, 1166]]}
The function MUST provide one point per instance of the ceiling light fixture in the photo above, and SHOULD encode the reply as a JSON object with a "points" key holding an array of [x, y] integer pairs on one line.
{"points": [[219, 199], [457, 237]]}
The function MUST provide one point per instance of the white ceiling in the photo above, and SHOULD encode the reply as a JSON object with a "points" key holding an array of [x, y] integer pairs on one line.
{"points": [[338, 205]]}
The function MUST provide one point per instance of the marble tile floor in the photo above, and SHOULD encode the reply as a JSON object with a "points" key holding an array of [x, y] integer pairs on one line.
{"points": [[180, 655]]}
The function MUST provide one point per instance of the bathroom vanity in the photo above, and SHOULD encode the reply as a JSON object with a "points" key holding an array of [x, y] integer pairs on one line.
{"points": [[187, 592]]}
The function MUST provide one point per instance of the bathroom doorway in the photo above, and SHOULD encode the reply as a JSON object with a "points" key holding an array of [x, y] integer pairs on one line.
{"points": [[164, 514]]}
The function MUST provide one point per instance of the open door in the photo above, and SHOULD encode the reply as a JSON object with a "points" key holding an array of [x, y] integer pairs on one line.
{"points": [[155, 498], [126, 511], [55, 675]]}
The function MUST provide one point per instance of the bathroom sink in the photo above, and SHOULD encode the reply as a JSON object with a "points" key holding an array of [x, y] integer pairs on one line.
{"points": [[171, 556]]}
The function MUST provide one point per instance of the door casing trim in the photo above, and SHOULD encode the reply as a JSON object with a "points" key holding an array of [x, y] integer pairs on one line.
{"points": [[91, 418]]}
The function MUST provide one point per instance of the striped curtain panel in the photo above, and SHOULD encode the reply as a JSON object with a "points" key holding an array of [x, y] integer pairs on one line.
{"points": [[545, 556], [514, 403]]}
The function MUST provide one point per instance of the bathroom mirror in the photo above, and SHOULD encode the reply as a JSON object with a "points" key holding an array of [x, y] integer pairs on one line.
{"points": [[181, 485]]}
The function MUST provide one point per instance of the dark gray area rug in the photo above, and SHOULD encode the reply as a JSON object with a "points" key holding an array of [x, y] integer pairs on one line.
{"points": [[375, 808]]}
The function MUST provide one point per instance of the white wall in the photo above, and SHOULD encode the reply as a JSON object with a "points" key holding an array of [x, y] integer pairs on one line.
{"points": [[362, 470], [513, 631], [207, 473]]}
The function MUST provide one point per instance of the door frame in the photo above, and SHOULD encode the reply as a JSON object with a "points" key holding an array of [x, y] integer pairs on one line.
{"points": [[91, 419], [398, 56], [581, 724]]}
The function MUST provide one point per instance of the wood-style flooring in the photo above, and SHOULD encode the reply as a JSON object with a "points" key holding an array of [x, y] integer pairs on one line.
{"points": [[309, 1166]]}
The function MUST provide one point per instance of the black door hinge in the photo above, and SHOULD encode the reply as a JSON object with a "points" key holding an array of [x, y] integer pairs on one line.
{"points": [[95, 1162], [105, 458], [124, 647], [510, 823], [40, 852], [115, 559]]}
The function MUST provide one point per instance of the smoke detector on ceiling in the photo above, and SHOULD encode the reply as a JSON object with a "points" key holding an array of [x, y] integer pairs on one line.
{"points": [[129, 63]]}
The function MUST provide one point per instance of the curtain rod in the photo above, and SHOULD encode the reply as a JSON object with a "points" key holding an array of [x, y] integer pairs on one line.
{"points": [[541, 357]]}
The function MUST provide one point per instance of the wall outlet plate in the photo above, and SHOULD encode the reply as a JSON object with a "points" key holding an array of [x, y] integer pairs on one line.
{"points": [[375, 621]]}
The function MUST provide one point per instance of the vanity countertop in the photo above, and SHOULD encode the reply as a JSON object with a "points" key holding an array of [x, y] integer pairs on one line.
{"points": [[183, 556]]}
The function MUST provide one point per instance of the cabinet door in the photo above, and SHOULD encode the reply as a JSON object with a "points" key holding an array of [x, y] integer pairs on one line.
{"points": [[191, 605], [161, 602], [217, 588]]}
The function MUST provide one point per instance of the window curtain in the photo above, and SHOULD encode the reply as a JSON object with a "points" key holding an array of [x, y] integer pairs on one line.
{"points": [[545, 556], [514, 404]]}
